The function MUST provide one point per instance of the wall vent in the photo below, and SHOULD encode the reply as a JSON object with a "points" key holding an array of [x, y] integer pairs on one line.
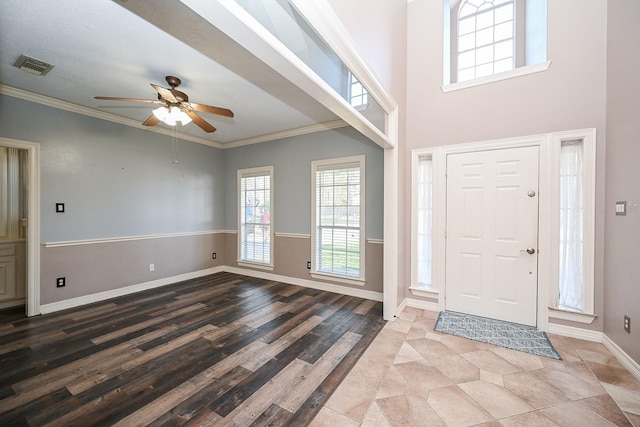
{"points": [[33, 66]]}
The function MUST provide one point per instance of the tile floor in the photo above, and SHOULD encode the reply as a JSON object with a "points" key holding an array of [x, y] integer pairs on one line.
{"points": [[413, 376]]}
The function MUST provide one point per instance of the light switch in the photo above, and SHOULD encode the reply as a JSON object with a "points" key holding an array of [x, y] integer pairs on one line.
{"points": [[60, 207], [621, 208]]}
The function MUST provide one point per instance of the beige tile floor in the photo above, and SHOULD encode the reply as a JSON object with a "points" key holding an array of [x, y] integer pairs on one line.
{"points": [[414, 376]]}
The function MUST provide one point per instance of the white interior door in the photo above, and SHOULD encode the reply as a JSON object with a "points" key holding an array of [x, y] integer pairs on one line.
{"points": [[492, 234]]}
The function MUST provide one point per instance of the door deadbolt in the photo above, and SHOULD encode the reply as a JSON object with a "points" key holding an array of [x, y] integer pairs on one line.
{"points": [[531, 193]]}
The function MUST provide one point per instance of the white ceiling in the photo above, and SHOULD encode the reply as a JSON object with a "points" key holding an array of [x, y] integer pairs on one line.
{"points": [[101, 48]]}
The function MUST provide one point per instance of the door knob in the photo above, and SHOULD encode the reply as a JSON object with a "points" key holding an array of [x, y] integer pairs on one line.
{"points": [[530, 251]]}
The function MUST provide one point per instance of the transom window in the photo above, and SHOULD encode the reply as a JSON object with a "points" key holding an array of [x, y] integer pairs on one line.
{"points": [[485, 38], [358, 95], [338, 217], [255, 215], [488, 40]]}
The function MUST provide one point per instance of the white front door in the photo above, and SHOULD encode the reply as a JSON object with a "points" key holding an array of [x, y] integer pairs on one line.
{"points": [[492, 234]]}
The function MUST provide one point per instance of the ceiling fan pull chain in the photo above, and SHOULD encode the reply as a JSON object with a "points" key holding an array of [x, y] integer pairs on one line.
{"points": [[176, 159]]}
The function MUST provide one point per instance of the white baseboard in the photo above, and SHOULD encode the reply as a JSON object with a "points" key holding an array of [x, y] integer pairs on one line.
{"points": [[595, 336], [360, 293], [573, 332], [626, 361], [423, 305], [400, 308], [101, 296]]}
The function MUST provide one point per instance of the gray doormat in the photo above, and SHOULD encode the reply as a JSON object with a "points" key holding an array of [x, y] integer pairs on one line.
{"points": [[496, 332]]}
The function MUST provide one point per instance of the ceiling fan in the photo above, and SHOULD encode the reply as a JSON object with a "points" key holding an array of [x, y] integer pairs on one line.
{"points": [[175, 107]]}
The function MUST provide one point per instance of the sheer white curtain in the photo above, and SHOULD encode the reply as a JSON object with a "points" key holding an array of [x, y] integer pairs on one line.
{"points": [[425, 220], [571, 226], [10, 190]]}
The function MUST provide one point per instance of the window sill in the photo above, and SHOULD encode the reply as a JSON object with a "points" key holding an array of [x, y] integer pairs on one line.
{"points": [[339, 279], [556, 313], [424, 292], [268, 267], [516, 72]]}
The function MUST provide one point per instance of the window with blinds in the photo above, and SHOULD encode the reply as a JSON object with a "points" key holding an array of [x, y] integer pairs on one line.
{"points": [[338, 217], [255, 215]]}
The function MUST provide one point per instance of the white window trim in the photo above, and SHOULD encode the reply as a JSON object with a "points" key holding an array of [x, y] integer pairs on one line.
{"points": [[588, 137], [505, 75], [246, 172], [423, 292], [556, 313], [243, 263], [314, 268], [438, 244], [321, 275]]}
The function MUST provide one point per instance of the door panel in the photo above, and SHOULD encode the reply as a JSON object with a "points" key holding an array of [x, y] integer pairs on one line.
{"points": [[7, 279], [491, 221]]}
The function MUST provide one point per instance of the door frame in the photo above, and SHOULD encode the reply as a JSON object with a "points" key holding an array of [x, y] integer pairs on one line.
{"points": [[32, 304], [439, 156]]}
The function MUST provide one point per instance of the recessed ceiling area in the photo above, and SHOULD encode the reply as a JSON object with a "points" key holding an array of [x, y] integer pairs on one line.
{"points": [[100, 48]]}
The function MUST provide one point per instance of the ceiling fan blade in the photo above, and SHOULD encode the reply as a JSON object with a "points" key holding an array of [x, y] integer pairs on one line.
{"points": [[165, 94], [211, 109], [151, 121], [202, 123], [111, 98]]}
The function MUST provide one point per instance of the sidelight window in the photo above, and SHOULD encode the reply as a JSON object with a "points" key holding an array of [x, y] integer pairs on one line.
{"points": [[424, 232]]}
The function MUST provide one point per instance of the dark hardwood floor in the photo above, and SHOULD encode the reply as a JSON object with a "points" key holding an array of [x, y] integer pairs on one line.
{"points": [[219, 350]]}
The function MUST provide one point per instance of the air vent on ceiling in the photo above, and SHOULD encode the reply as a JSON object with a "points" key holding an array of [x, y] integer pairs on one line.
{"points": [[33, 66]]}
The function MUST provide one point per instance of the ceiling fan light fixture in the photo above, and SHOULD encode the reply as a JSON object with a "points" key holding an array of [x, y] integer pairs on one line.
{"points": [[180, 116], [161, 113], [171, 116]]}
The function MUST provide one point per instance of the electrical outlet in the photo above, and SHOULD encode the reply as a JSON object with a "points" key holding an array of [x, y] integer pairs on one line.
{"points": [[214, 256], [152, 267], [61, 282], [627, 324], [308, 265]]}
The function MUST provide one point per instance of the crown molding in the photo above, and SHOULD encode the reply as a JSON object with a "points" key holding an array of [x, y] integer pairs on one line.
{"points": [[287, 133], [86, 111], [91, 112]]}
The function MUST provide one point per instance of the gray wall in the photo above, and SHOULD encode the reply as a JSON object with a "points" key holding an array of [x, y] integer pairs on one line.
{"points": [[291, 158], [622, 243], [116, 180]]}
